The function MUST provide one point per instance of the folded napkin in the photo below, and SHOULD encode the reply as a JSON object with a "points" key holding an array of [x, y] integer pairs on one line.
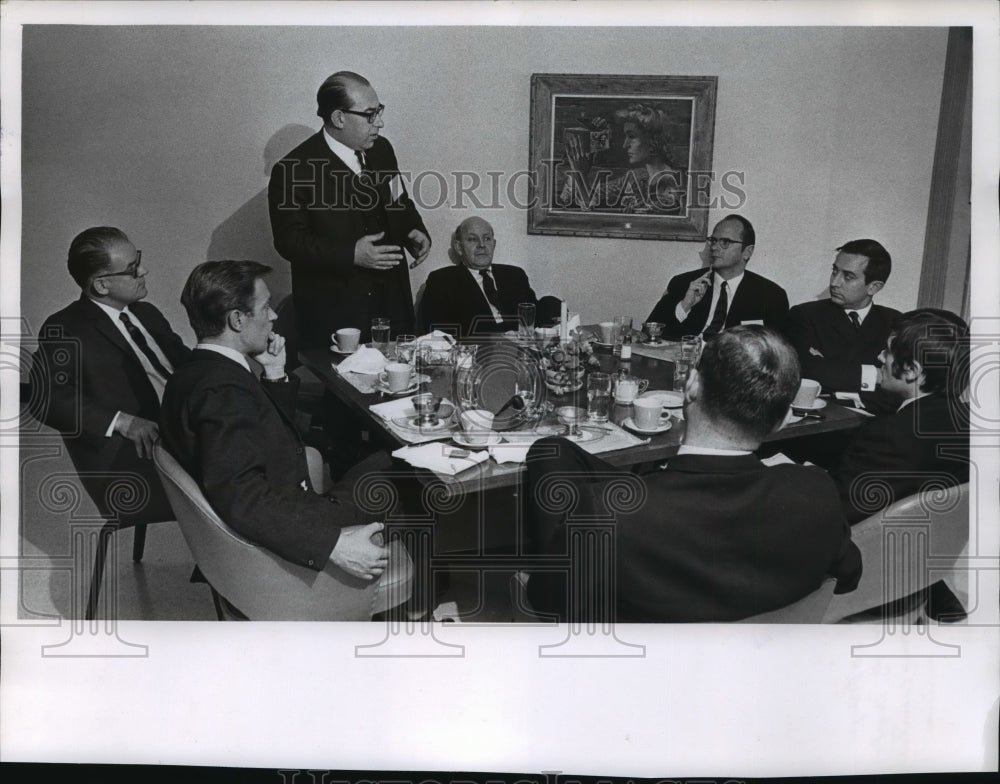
{"points": [[515, 450], [366, 360], [441, 458], [437, 339]]}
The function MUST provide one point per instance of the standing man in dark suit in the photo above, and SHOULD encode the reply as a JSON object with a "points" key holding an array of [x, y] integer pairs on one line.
{"points": [[724, 295], [838, 340], [234, 433], [105, 399], [714, 535], [476, 296], [341, 215]]}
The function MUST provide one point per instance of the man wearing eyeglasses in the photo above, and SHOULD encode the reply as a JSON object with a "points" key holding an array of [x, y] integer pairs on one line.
{"points": [[106, 358], [707, 301], [341, 215]]}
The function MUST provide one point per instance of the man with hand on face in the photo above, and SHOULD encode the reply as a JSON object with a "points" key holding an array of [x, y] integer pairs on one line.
{"points": [[235, 434], [838, 340], [476, 296], [725, 295], [341, 215], [106, 398]]}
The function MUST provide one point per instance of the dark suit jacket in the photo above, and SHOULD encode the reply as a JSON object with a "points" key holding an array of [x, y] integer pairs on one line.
{"points": [[91, 373], [891, 457], [319, 209], [236, 437], [825, 327], [454, 303], [757, 299], [714, 538]]}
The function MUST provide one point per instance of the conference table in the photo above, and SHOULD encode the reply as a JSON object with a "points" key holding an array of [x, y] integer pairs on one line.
{"points": [[491, 475]]}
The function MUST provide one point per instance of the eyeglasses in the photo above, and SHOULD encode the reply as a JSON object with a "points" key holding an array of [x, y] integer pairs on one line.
{"points": [[371, 115], [131, 271], [722, 242]]}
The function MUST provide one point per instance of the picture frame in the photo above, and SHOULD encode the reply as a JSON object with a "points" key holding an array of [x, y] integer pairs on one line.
{"points": [[621, 156]]}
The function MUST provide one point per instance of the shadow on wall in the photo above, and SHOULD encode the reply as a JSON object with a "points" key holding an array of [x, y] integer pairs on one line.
{"points": [[246, 234]]}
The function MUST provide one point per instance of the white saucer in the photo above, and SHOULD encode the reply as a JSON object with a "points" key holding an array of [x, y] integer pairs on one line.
{"points": [[818, 403], [667, 398], [336, 350], [586, 434], [460, 439], [412, 424], [634, 427], [382, 387]]}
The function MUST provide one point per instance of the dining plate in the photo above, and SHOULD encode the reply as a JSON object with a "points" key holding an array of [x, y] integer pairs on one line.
{"points": [[631, 425], [585, 434], [818, 403], [461, 440], [413, 424], [667, 398]]}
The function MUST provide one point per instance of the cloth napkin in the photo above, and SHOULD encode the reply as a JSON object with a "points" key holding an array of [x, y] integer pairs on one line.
{"points": [[441, 458], [369, 361], [437, 339]]}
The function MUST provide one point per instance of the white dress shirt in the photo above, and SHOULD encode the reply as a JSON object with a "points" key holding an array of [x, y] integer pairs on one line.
{"points": [[342, 151], [717, 280]]}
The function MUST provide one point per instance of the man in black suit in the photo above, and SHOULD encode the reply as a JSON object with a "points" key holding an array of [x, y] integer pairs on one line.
{"points": [[235, 435], [839, 339], [735, 296], [341, 215], [924, 368], [104, 394], [476, 296], [714, 535]]}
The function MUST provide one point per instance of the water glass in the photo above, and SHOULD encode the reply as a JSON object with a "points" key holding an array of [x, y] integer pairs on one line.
{"points": [[691, 348], [380, 334], [526, 319], [404, 348], [623, 326], [598, 397], [681, 369]]}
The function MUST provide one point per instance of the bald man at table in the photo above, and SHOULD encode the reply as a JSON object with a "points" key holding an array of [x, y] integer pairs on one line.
{"points": [[715, 535], [474, 296]]}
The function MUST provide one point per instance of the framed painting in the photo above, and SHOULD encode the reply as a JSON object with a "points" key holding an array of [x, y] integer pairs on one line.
{"points": [[621, 156]]}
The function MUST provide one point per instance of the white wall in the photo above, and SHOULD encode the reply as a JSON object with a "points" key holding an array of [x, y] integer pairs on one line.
{"points": [[169, 133]]}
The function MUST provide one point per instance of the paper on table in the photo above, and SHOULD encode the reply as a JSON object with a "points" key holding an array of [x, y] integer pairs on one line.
{"points": [[441, 458], [369, 361]]}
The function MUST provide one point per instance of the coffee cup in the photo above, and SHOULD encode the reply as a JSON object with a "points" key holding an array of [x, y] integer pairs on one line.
{"points": [[628, 389], [397, 376], [608, 332], [347, 339], [649, 413], [806, 396], [477, 424]]}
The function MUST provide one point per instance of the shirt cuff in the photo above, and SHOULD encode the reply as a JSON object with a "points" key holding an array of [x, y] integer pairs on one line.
{"points": [[279, 379], [868, 376], [111, 428], [679, 313]]}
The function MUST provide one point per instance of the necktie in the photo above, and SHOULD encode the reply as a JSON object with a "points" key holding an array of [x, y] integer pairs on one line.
{"points": [[140, 340], [719, 317], [361, 159], [491, 289], [853, 315]]}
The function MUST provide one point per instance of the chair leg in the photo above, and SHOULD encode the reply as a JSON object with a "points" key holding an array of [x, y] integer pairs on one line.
{"points": [[218, 605], [103, 539], [138, 543]]}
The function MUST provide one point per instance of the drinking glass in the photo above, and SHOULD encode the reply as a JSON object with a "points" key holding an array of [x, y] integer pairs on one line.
{"points": [[690, 348], [526, 319], [623, 326], [598, 397], [380, 334], [653, 329], [404, 348], [681, 369]]}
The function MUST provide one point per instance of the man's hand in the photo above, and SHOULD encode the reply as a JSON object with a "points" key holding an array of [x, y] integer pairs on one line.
{"points": [[696, 290], [357, 554], [420, 246], [376, 257], [272, 359], [144, 433]]}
